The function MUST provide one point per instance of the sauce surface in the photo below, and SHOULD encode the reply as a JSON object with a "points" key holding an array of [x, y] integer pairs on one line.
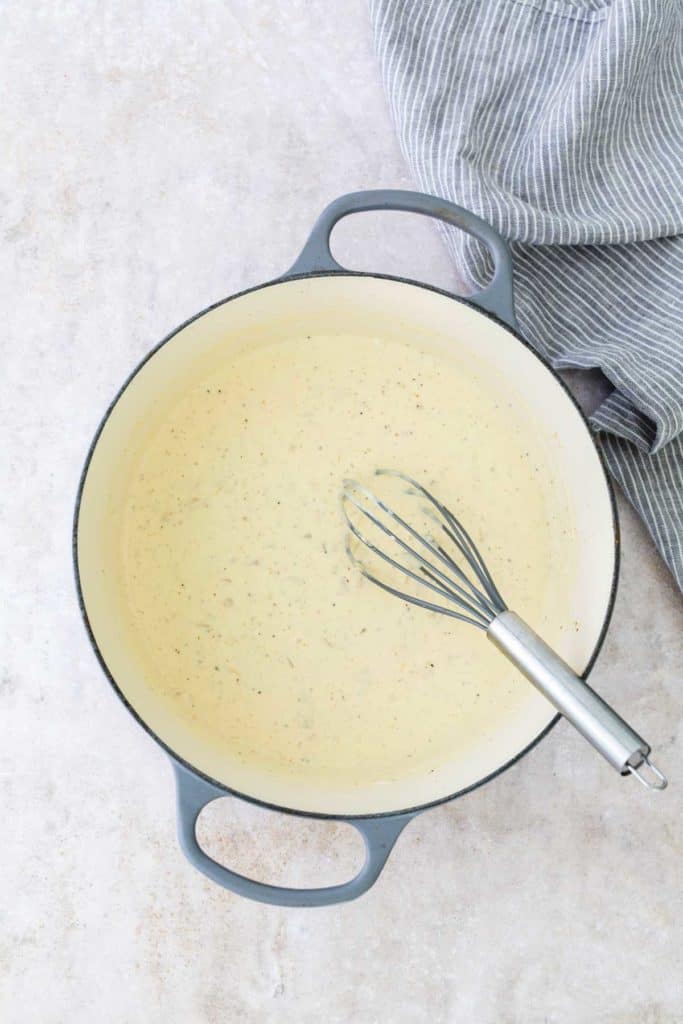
{"points": [[246, 614]]}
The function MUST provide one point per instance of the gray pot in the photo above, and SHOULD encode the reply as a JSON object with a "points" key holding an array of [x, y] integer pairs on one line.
{"points": [[314, 292]]}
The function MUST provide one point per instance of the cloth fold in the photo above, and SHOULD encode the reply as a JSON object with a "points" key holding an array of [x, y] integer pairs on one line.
{"points": [[561, 123]]}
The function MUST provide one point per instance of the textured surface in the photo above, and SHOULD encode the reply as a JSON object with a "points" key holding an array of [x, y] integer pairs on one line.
{"points": [[156, 158]]}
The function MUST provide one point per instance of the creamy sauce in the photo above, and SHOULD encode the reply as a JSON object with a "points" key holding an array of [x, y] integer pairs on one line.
{"points": [[249, 620]]}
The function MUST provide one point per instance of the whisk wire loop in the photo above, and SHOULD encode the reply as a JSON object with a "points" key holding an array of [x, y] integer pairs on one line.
{"points": [[441, 583], [476, 604], [462, 540]]}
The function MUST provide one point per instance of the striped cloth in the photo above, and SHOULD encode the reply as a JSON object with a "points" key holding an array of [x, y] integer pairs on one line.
{"points": [[561, 123]]}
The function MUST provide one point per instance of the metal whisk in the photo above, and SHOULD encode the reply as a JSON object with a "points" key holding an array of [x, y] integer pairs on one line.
{"points": [[449, 565]]}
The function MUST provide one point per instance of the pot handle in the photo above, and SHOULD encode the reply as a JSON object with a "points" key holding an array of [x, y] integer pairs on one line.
{"points": [[496, 297], [379, 836]]}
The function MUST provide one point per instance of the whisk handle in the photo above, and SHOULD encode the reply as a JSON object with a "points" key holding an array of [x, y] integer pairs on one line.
{"points": [[574, 698], [496, 297]]}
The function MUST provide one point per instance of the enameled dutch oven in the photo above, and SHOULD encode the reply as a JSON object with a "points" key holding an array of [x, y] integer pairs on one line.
{"points": [[317, 294]]}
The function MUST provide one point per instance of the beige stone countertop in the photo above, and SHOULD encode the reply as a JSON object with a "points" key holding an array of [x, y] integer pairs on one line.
{"points": [[157, 157]]}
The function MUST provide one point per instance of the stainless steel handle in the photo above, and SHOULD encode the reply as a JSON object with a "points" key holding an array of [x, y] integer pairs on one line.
{"points": [[589, 713]]}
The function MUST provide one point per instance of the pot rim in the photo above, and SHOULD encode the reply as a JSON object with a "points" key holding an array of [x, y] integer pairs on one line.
{"points": [[229, 791]]}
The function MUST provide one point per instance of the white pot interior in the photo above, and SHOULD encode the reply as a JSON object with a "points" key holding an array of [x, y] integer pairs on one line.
{"points": [[347, 305]]}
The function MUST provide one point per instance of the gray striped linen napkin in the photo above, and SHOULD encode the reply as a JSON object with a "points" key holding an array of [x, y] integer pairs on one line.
{"points": [[561, 123]]}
